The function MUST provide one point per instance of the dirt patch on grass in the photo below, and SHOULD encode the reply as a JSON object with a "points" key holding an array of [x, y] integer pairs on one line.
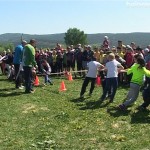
{"points": [[29, 107]]}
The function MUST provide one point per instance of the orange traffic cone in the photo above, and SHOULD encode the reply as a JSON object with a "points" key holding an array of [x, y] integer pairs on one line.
{"points": [[98, 81], [36, 82], [70, 77], [62, 86]]}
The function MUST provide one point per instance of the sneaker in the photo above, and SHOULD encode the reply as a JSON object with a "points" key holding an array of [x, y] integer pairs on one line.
{"points": [[28, 92], [122, 107], [31, 91], [20, 88]]}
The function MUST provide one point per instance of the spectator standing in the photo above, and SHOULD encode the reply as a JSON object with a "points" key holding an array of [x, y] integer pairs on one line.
{"points": [[18, 53], [106, 44], [28, 63]]}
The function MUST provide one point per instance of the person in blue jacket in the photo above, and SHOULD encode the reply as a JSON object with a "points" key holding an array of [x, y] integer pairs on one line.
{"points": [[18, 53]]}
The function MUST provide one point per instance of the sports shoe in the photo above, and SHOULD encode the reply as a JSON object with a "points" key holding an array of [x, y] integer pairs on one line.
{"points": [[21, 88], [122, 107], [31, 91], [51, 83]]}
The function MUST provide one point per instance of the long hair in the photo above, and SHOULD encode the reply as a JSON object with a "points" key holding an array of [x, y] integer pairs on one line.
{"points": [[141, 62], [136, 56]]}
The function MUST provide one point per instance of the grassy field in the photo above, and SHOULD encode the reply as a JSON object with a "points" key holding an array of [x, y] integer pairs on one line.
{"points": [[49, 119]]}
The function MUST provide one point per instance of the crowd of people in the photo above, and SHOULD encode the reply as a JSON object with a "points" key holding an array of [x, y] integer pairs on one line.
{"points": [[126, 64]]}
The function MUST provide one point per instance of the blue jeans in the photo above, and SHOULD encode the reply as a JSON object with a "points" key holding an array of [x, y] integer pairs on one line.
{"points": [[28, 78], [47, 79], [111, 85]]}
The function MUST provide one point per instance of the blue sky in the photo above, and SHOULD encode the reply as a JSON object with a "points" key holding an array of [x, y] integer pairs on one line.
{"points": [[57, 16]]}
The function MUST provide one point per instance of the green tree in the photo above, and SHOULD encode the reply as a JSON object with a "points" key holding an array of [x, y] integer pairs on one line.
{"points": [[9, 46], [5, 46], [74, 36]]}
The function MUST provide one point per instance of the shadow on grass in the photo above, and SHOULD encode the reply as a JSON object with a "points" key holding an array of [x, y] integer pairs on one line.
{"points": [[140, 117], [116, 112], [90, 104], [51, 91], [7, 89], [77, 100], [95, 105], [10, 94]]}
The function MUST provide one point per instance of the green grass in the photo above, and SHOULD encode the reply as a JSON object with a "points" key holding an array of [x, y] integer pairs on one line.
{"points": [[49, 119]]}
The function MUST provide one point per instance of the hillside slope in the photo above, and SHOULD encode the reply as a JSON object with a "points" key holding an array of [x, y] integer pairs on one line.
{"points": [[50, 40]]}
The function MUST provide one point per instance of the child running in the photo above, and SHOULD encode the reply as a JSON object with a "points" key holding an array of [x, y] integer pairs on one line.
{"points": [[138, 71], [47, 70], [93, 66]]}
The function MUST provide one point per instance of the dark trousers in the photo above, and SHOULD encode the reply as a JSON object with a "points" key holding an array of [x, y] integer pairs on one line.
{"points": [[28, 78], [104, 85], [18, 79], [85, 84], [146, 97], [79, 67], [111, 84]]}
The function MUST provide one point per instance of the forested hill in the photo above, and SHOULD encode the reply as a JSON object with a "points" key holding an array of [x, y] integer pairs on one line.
{"points": [[50, 40]]}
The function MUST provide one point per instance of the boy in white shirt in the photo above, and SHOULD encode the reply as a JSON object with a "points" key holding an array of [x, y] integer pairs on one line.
{"points": [[112, 77], [93, 66]]}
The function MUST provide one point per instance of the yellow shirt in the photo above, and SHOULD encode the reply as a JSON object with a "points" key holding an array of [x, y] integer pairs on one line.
{"points": [[121, 54], [102, 58]]}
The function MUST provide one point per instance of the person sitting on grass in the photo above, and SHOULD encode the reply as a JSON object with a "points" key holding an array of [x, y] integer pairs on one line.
{"points": [[138, 71], [93, 66], [112, 77], [46, 70]]}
